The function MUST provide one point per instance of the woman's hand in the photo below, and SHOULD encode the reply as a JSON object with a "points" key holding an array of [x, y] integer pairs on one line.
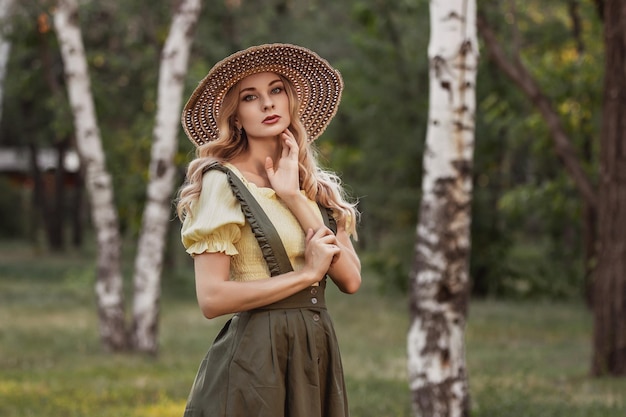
{"points": [[284, 175], [321, 249]]}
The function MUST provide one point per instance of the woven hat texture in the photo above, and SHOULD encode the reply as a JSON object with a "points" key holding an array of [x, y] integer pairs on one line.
{"points": [[318, 87]]}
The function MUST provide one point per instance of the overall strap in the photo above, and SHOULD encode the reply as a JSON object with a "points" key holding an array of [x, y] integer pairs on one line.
{"points": [[266, 235], [327, 216]]}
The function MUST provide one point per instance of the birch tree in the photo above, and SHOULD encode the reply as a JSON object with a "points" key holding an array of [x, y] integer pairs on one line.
{"points": [[6, 7], [439, 281], [109, 280], [98, 181], [149, 260]]}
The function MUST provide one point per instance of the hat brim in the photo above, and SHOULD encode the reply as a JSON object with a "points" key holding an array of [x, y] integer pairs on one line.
{"points": [[318, 87]]}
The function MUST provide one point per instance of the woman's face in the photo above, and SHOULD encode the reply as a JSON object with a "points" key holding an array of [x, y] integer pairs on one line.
{"points": [[263, 106]]}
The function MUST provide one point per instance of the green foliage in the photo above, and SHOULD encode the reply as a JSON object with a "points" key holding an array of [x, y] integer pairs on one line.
{"points": [[534, 229], [13, 217], [28, 108]]}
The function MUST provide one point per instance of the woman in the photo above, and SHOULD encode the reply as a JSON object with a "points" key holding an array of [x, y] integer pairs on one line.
{"points": [[253, 119]]}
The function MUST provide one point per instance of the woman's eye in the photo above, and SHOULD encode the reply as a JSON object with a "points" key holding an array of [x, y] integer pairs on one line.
{"points": [[277, 90], [249, 97]]}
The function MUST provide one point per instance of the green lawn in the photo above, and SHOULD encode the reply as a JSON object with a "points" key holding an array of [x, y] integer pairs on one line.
{"points": [[525, 359]]}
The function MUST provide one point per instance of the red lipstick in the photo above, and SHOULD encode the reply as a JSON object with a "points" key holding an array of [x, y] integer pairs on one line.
{"points": [[271, 119]]}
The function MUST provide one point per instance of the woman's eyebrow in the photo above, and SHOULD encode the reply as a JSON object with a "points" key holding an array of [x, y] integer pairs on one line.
{"points": [[243, 90], [271, 83]]}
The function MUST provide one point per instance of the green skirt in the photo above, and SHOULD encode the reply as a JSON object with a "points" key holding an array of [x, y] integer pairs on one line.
{"points": [[277, 361]]}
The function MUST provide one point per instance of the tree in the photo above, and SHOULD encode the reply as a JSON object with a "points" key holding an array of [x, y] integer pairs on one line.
{"points": [[149, 261], [109, 280], [439, 281], [608, 203], [609, 287]]}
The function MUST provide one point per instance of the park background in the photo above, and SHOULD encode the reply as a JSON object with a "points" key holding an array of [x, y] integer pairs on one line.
{"points": [[529, 328]]}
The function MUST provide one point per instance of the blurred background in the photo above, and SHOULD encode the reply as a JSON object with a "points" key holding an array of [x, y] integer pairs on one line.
{"points": [[532, 245], [528, 220]]}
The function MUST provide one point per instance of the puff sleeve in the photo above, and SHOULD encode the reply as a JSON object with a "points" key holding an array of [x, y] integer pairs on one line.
{"points": [[214, 221]]}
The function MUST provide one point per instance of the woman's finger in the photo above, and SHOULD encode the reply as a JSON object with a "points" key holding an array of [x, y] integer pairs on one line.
{"points": [[269, 166], [290, 146], [324, 232], [286, 148], [309, 235]]}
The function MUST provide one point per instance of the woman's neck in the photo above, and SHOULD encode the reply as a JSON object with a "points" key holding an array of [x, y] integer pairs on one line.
{"points": [[251, 163]]}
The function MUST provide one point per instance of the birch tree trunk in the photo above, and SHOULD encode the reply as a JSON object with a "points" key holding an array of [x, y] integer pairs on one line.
{"points": [[157, 212], [439, 289], [6, 7], [108, 288], [609, 287]]}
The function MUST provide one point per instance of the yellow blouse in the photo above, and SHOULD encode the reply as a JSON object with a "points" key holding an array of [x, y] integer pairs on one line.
{"points": [[216, 223]]}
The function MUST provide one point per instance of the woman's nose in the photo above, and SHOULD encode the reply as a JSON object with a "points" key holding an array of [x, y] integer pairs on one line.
{"points": [[268, 103]]}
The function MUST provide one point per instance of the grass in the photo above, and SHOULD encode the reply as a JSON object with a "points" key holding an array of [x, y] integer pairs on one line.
{"points": [[524, 358]]}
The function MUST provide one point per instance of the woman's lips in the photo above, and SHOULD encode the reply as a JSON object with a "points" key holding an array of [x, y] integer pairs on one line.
{"points": [[269, 120]]}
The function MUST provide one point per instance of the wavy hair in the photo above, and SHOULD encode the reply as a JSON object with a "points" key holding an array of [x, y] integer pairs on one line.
{"points": [[318, 184]]}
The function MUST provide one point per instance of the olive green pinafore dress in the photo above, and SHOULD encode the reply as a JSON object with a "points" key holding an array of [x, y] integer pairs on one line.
{"points": [[281, 360]]}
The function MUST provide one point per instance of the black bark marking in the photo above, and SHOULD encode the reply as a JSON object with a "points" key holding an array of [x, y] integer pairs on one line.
{"points": [[444, 294], [161, 168], [445, 357]]}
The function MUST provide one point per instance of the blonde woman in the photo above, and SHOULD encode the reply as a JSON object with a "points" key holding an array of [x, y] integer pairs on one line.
{"points": [[257, 214]]}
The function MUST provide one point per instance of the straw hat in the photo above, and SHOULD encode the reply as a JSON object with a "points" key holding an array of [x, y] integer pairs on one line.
{"points": [[317, 84]]}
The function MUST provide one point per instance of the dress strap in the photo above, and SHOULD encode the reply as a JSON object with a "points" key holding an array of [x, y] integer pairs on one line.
{"points": [[264, 231]]}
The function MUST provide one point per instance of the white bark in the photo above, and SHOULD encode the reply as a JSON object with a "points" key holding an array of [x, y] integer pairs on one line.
{"points": [[97, 179], [157, 213], [439, 280], [6, 9]]}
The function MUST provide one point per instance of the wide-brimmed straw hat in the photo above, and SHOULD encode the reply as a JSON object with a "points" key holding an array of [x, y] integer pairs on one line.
{"points": [[318, 87]]}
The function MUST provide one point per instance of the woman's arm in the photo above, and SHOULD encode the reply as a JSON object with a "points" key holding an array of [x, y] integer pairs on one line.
{"points": [[345, 270], [218, 295]]}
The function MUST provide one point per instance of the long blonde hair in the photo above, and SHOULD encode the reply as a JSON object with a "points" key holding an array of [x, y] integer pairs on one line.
{"points": [[318, 184]]}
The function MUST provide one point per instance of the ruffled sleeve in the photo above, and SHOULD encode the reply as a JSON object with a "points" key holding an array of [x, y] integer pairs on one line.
{"points": [[215, 220]]}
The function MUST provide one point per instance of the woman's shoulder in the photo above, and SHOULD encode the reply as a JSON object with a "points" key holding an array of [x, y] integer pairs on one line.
{"points": [[214, 175], [216, 190]]}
